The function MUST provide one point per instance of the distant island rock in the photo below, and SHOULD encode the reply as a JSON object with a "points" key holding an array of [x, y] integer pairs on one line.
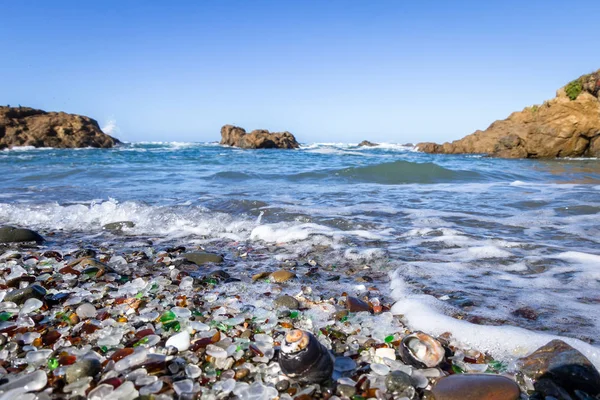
{"points": [[257, 139], [24, 126], [366, 143], [565, 126]]}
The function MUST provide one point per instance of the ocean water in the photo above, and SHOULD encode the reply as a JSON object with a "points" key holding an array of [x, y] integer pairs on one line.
{"points": [[461, 243]]}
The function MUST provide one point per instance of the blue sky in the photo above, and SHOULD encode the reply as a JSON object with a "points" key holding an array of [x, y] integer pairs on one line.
{"points": [[394, 71]]}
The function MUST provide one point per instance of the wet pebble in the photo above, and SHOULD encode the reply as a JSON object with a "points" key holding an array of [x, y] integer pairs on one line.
{"points": [[354, 304], [86, 367], [202, 258], [475, 387], [397, 382], [345, 391], [282, 275], [286, 301]]}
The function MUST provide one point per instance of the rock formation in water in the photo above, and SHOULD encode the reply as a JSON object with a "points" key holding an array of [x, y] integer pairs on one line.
{"points": [[257, 139], [24, 126], [566, 126], [366, 143]]}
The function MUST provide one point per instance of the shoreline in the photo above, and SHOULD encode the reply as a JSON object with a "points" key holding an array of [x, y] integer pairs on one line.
{"points": [[233, 323]]}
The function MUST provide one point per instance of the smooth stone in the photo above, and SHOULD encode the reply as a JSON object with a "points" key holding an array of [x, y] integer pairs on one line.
{"points": [[380, 369], [354, 304], [201, 258], [118, 226], [386, 352], [281, 276], [397, 381], [86, 367], [85, 311], [286, 301], [282, 385], [260, 275], [561, 364], [31, 382], [475, 387], [32, 304], [346, 391], [180, 340], [19, 296], [10, 234]]}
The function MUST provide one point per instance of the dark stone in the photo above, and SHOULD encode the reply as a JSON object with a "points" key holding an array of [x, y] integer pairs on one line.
{"points": [[563, 365], [282, 385], [10, 234], [397, 381], [354, 304], [57, 298], [19, 296], [83, 368], [117, 227], [475, 387], [85, 253], [287, 302], [201, 258]]}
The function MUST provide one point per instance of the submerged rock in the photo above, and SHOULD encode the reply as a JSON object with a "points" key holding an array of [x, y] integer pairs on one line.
{"points": [[10, 234], [281, 276], [24, 126], [557, 365], [257, 139], [201, 258], [475, 387], [366, 143], [118, 226], [287, 302]]}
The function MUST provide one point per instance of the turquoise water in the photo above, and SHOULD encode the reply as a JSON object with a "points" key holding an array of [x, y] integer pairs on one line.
{"points": [[482, 236]]}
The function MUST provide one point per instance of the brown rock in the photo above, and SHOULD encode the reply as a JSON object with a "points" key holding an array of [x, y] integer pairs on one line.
{"points": [[282, 275], [354, 304], [557, 366], [24, 126], [526, 312], [257, 139], [566, 126], [366, 143], [260, 275], [475, 387]]}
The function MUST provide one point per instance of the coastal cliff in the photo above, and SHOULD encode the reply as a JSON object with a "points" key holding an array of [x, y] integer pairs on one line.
{"points": [[24, 126], [257, 139], [565, 126]]}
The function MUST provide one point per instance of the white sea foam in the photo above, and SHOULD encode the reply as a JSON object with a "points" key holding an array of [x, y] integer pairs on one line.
{"points": [[110, 127], [172, 222], [26, 148], [426, 313]]}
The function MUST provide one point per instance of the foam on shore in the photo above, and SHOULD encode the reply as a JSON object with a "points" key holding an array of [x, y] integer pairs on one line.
{"points": [[506, 343]]}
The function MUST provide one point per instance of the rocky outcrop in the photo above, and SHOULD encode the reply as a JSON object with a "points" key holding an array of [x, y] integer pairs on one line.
{"points": [[566, 126], [24, 126], [257, 139], [366, 143]]}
